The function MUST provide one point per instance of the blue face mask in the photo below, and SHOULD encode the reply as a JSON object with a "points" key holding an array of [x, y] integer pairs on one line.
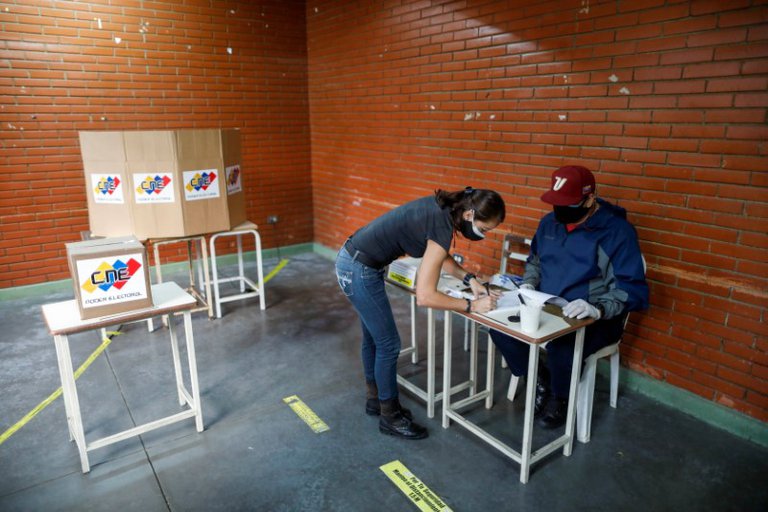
{"points": [[470, 231]]}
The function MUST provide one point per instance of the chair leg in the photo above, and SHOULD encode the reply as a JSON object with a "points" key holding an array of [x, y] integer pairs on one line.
{"points": [[512, 391], [585, 398], [614, 378]]}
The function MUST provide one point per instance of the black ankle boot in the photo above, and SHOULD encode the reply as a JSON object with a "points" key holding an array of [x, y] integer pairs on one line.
{"points": [[543, 392], [555, 413], [394, 422], [372, 405]]}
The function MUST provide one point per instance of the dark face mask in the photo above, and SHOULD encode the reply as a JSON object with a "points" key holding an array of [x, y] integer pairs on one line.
{"points": [[470, 232], [570, 214]]}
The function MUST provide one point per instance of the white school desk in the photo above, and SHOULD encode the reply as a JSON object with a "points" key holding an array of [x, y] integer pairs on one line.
{"points": [[63, 319], [553, 325], [429, 396]]}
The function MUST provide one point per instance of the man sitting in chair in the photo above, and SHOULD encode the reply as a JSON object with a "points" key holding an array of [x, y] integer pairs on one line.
{"points": [[586, 252]]}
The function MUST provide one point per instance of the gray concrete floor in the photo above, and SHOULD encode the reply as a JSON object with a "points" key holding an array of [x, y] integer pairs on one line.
{"points": [[256, 454]]}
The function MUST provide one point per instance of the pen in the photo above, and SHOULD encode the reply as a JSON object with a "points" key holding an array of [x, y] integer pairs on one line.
{"points": [[487, 288], [520, 295]]}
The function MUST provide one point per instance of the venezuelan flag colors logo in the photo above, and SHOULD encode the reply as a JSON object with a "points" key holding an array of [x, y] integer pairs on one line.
{"points": [[201, 184], [153, 185], [107, 185], [153, 188], [233, 179], [201, 181], [107, 276], [107, 188]]}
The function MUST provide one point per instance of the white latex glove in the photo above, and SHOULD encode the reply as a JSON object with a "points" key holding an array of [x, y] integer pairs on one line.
{"points": [[527, 286], [580, 308]]}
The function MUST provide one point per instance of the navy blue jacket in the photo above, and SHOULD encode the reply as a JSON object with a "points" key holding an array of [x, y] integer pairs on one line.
{"points": [[599, 261]]}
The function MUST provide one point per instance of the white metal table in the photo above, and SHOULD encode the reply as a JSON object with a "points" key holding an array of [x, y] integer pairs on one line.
{"points": [[429, 396], [63, 319], [553, 325], [254, 289]]}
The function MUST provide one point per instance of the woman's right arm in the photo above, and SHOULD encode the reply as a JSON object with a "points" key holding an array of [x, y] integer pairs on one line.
{"points": [[427, 294]]}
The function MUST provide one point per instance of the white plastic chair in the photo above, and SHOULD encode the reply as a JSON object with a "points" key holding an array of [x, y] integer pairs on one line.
{"points": [[586, 391]]}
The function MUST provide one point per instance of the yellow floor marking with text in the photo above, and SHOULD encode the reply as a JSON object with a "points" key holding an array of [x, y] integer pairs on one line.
{"points": [[419, 494], [305, 413], [53, 396]]}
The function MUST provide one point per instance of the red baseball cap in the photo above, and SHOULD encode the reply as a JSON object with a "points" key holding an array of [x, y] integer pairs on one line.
{"points": [[570, 185]]}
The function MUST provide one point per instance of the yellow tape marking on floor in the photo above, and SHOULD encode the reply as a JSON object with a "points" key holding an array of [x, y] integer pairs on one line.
{"points": [[305, 413], [275, 270], [53, 396], [417, 492]]}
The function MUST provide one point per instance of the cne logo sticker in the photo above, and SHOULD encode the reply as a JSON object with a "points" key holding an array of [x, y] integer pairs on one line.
{"points": [[201, 184], [105, 282], [153, 188], [107, 275], [234, 183], [107, 188]]}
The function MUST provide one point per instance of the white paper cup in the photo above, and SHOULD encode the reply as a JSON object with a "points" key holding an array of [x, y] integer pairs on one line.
{"points": [[530, 316]]}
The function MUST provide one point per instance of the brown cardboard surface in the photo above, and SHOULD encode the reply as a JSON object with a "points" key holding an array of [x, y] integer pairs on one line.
{"points": [[201, 167], [232, 155], [109, 211], [174, 182], [151, 155], [104, 252]]}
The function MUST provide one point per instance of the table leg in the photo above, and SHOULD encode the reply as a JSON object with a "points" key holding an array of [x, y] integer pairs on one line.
{"points": [[240, 270], [259, 270], [490, 370], [530, 398], [159, 279], [190, 264], [431, 363], [65, 395], [472, 355], [215, 276], [447, 339], [206, 277], [575, 377], [193, 370], [414, 343], [176, 361], [69, 390]]}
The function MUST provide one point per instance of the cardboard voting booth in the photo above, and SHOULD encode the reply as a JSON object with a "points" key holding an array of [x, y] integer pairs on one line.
{"points": [[163, 184], [109, 275]]}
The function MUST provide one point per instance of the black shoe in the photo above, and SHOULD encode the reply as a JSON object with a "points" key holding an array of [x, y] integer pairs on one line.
{"points": [[555, 413], [373, 408], [399, 426]]}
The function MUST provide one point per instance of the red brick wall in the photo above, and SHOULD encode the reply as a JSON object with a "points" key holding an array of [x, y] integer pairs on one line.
{"points": [[665, 99], [176, 64]]}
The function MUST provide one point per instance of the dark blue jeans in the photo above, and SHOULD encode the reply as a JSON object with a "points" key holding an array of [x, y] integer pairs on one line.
{"points": [[560, 351], [364, 287]]}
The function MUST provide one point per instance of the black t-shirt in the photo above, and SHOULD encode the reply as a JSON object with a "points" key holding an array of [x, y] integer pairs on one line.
{"points": [[405, 230]]}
